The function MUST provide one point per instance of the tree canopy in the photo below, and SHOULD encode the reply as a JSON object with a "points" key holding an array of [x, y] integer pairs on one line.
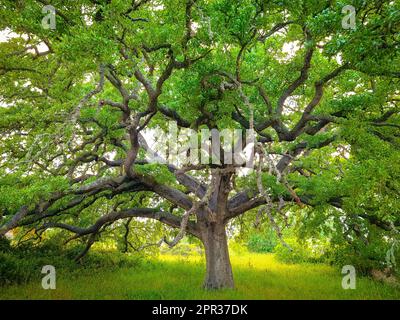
{"points": [[322, 99]]}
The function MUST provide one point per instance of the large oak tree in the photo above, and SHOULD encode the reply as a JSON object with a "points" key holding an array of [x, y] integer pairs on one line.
{"points": [[76, 101]]}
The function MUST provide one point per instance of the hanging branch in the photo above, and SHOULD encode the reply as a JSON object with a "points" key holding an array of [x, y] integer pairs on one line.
{"points": [[185, 219], [268, 209]]}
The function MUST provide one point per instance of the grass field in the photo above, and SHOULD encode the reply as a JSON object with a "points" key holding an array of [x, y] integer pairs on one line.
{"points": [[257, 276]]}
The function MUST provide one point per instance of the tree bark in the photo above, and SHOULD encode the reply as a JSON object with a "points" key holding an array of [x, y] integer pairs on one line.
{"points": [[219, 270]]}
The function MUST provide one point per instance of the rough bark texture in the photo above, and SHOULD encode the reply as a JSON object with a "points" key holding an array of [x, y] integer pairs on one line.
{"points": [[219, 270]]}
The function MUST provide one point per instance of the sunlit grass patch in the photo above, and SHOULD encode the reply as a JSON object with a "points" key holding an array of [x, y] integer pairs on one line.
{"points": [[257, 276]]}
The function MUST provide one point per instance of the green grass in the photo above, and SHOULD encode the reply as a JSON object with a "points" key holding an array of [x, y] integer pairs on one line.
{"points": [[257, 276]]}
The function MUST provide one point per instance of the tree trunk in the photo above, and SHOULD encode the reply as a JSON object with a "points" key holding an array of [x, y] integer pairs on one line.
{"points": [[219, 270]]}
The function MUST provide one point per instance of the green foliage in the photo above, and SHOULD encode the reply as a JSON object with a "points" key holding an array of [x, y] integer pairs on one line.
{"points": [[5, 245], [24, 263], [305, 251], [161, 173], [262, 242], [15, 270], [363, 258], [16, 191]]}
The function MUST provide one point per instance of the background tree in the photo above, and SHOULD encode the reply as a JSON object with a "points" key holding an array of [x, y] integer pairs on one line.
{"points": [[322, 100]]}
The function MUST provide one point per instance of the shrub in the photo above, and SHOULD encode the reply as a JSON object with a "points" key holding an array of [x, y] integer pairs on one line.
{"points": [[262, 242], [24, 263], [5, 245], [110, 259], [364, 258], [304, 251], [17, 269]]}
